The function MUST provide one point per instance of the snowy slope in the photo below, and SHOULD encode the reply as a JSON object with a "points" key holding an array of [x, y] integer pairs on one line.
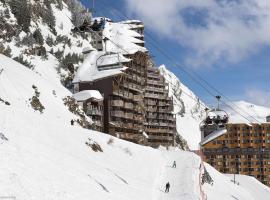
{"points": [[43, 157], [249, 188], [188, 108], [252, 112]]}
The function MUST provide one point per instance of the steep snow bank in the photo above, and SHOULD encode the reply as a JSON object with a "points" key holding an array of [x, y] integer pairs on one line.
{"points": [[224, 189], [188, 108], [252, 112]]}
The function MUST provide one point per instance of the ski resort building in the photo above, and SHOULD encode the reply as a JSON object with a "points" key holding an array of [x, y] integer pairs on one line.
{"points": [[136, 104], [243, 149], [92, 103]]}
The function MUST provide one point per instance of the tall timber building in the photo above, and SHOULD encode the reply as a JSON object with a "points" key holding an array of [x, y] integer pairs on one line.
{"points": [[136, 104], [242, 149]]}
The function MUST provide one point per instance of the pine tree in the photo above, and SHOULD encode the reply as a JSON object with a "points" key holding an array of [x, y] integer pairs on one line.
{"points": [[22, 11], [38, 37], [48, 16]]}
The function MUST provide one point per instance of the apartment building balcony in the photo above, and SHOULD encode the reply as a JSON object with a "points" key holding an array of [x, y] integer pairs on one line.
{"points": [[136, 78], [124, 94], [156, 137], [155, 89], [137, 98], [150, 102], [117, 113], [152, 75], [151, 109], [162, 103], [117, 103], [135, 87], [94, 112], [156, 82], [159, 130], [129, 106], [128, 115], [155, 96], [152, 115], [164, 110], [138, 117]]}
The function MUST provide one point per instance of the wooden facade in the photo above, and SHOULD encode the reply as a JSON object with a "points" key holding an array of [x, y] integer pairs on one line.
{"points": [[244, 149], [136, 104], [94, 109]]}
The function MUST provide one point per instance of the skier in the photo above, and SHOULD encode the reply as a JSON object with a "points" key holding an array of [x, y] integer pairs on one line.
{"points": [[102, 24], [174, 164], [72, 122], [167, 187]]}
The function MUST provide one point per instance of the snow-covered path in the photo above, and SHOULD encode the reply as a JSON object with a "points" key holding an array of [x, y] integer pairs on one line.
{"points": [[184, 179]]}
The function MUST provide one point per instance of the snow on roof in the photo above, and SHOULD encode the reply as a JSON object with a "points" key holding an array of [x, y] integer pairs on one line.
{"points": [[122, 38], [88, 94], [89, 71], [213, 136]]}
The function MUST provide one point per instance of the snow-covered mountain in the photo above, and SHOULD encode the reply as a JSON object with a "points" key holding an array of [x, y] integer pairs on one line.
{"points": [[189, 109], [44, 157], [252, 113], [38, 34]]}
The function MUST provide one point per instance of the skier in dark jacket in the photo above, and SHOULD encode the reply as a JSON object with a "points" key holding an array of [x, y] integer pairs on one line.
{"points": [[102, 24], [72, 122], [174, 164], [95, 26], [167, 187]]}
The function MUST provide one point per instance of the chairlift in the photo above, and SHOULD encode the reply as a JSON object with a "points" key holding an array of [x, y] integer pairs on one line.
{"points": [[115, 65], [216, 120]]}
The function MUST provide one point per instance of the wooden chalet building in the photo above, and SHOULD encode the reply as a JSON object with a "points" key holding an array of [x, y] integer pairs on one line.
{"points": [[136, 104], [92, 103]]}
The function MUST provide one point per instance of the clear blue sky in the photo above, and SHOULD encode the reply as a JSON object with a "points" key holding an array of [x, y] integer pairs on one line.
{"points": [[221, 43]]}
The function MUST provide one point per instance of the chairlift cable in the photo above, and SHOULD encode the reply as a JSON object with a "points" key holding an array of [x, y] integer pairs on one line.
{"points": [[191, 76]]}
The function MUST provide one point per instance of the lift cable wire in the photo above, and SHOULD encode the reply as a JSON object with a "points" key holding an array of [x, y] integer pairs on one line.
{"points": [[155, 44]]}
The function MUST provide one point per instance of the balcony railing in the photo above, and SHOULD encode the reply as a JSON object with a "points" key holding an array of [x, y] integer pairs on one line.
{"points": [[124, 94], [151, 103], [117, 113], [119, 103], [128, 115], [129, 106], [137, 98], [155, 96], [154, 82], [156, 137], [155, 89], [94, 112], [137, 88], [159, 130]]}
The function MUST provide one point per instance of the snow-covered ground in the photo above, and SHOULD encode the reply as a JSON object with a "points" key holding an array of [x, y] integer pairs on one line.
{"points": [[224, 189], [43, 157]]}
